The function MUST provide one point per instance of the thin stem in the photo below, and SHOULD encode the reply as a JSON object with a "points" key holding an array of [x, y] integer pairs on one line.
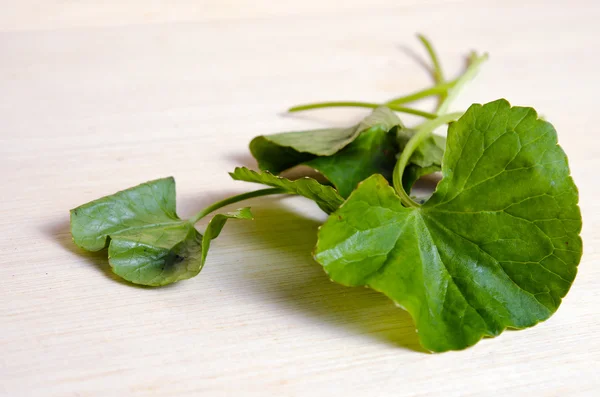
{"points": [[475, 62], [369, 105], [332, 104], [423, 132], [415, 96], [438, 74], [234, 199]]}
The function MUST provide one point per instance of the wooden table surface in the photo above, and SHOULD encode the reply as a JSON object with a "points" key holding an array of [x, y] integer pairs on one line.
{"points": [[99, 97]]}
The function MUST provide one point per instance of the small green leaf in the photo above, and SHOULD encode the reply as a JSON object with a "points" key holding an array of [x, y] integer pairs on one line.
{"points": [[147, 242], [496, 246], [326, 197]]}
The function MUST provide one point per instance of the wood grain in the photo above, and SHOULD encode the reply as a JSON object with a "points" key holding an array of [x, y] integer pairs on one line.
{"points": [[99, 97]]}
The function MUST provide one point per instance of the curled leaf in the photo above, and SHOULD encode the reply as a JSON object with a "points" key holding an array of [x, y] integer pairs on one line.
{"points": [[147, 242]]}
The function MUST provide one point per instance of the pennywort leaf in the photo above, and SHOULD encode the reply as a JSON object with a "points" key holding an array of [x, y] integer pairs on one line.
{"points": [[325, 196], [373, 152], [496, 246], [277, 152], [147, 242], [345, 156]]}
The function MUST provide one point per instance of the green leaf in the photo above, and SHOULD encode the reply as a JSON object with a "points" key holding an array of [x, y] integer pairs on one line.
{"points": [[496, 246], [345, 156], [322, 142], [326, 197], [275, 158], [147, 242], [373, 152]]}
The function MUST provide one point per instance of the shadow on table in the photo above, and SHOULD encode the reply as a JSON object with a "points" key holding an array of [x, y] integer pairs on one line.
{"points": [[61, 233], [295, 281]]}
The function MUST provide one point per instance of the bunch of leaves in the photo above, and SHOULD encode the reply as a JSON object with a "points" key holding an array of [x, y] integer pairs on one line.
{"points": [[495, 246]]}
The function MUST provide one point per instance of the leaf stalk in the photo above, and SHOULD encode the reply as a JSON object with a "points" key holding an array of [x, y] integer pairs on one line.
{"points": [[475, 62], [234, 199], [356, 104], [423, 132]]}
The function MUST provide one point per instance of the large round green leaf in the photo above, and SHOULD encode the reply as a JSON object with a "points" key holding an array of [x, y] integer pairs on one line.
{"points": [[496, 246]]}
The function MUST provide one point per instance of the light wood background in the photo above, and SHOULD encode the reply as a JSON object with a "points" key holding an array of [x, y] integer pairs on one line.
{"points": [[99, 96]]}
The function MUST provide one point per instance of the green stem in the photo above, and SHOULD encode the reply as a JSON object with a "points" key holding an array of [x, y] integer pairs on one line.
{"points": [[438, 74], [423, 132], [234, 199], [369, 105], [475, 62], [415, 96]]}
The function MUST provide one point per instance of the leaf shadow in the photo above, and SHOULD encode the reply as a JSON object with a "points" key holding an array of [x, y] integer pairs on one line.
{"points": [[242, 160], [412, 54], [424, 187], [60, 231], [293, 279]]}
